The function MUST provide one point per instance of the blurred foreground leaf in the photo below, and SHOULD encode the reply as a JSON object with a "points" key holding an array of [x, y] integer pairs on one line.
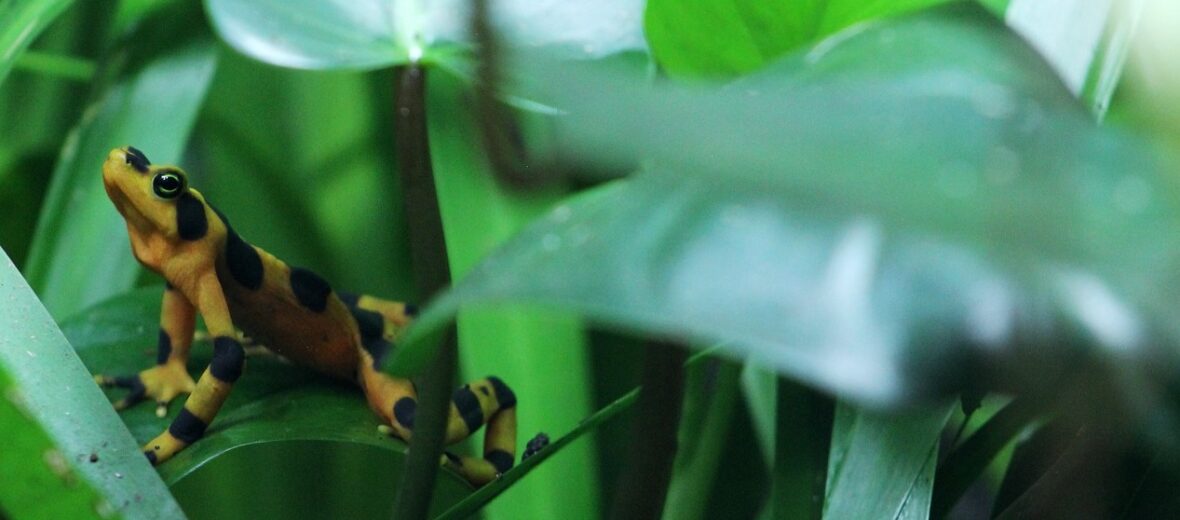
{"points": [[975, 217], [47, 383]]}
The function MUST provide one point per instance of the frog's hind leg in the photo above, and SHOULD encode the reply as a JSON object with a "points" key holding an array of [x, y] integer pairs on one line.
{"points": [[486, 401]]}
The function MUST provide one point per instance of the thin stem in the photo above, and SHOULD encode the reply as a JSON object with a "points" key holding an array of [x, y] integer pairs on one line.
{"points": [[432, 274]]}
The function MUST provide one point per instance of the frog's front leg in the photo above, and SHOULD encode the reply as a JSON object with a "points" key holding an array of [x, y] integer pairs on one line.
{"points": [[213, 387], [169, 378]]}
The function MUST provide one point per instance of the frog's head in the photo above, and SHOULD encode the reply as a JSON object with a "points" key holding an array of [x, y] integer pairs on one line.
{"points": [[142, 193]]}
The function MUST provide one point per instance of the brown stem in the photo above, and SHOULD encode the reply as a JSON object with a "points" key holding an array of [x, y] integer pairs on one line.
{"points": [[432, 274]]}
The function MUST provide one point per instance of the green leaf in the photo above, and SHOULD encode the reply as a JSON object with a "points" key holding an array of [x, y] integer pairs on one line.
{"points": [[41, 483], [23, 22], [966, 463], [803, 441], [711, 392], [152, 106], [882, 466], [48, 382], [363, 34], [978, 191], [1086, 41], [275, 410], [719, 38], [370, 34]]}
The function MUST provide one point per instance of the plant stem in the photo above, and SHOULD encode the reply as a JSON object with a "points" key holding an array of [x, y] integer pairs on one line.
{"points": [[432, 274], [644, 483]]}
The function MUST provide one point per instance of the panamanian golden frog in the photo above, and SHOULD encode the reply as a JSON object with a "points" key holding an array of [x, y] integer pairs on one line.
{"points": [[210, 269]]}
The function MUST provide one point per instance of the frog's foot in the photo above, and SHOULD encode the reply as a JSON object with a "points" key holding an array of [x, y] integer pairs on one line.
{"points": [[477, 471], [163, 383], [535, 445], [163, 447]]}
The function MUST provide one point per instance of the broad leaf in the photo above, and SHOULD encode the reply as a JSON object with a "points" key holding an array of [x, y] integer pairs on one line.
{"points": [[47, 382], [719, 38], [79, 255], [276, 408], [977, 207], [369, 34]]}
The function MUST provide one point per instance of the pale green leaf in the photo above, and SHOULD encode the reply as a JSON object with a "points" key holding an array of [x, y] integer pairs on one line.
{"points": [[49, 383]]}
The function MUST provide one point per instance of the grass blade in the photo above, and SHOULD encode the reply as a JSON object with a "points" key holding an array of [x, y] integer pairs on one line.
{"points": [[881, 466], [59, 393]]}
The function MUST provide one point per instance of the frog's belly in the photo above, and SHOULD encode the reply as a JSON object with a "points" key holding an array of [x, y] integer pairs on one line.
{"points": [[323, 341]]}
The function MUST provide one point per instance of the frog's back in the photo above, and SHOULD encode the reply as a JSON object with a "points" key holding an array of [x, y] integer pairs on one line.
{"points": [[290, 310]]}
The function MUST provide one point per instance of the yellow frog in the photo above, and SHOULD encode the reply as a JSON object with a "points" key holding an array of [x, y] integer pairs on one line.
{"points": [[210, 269]]}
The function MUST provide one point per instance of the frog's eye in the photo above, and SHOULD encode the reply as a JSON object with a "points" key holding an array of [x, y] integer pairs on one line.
{"points": [[168, 184]]}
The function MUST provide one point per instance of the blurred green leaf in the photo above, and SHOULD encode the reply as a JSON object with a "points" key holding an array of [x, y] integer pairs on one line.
{"points": [[370, 34], [719, 38], [66, 67], [977, 212], [23, 21], [882, 466], [362, 34], [50, 385], [74, 260], [275, 403], [1085, 41]]}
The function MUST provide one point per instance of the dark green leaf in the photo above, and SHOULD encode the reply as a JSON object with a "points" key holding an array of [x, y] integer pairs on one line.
{"points": [[803, 436], [882, 466], [718, 38], [966, 463], [276, 404], [50, 384], [75, 259], [23, 21]]}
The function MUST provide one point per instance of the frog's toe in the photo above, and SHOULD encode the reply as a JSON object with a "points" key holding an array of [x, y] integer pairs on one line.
{"points": [[133, 383]]}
